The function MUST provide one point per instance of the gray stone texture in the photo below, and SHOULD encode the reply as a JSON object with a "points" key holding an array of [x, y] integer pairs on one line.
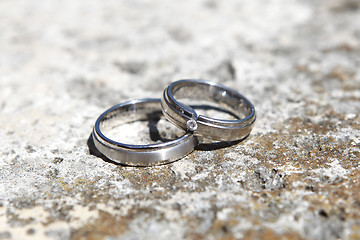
{"points": [[62, 63]]}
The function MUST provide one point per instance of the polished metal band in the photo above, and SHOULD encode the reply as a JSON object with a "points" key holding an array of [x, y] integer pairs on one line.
{"points": [[186, 118], [138, 155]]}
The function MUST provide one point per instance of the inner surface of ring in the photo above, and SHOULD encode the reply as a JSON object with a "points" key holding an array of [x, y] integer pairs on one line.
{"points": [[231, 101], [138, 123]]}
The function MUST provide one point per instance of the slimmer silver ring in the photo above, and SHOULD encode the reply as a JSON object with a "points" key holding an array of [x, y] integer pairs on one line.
{"points": [[185, 117]]}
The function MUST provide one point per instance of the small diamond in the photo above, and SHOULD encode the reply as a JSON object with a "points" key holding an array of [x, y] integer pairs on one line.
{"points": [[191, 125]]}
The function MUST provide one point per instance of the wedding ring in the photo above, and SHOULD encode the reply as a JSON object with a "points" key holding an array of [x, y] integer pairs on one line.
{"points": [[138, 155], [185, 117]]}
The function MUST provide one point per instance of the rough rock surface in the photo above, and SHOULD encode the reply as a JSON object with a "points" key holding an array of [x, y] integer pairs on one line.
{"points": [[62, 63]]}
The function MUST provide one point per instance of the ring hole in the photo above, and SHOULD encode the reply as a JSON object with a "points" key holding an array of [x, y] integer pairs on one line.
{"points": [[150, 129], [212, 100], [211, 109]]}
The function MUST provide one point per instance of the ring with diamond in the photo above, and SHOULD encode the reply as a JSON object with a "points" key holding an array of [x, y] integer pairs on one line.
{"points": [[138, 155], [185, 117]]}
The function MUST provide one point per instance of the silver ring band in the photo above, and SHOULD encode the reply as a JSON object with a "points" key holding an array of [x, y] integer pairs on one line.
{"points": [[186, 118], [138, 155]]}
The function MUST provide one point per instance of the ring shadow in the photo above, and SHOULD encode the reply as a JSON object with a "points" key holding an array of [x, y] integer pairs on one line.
{"points": [[217, 145], [93, 151], [153, 119]]}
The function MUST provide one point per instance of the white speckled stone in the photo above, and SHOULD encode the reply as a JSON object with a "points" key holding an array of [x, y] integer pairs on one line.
{"points": [[62, 63]]}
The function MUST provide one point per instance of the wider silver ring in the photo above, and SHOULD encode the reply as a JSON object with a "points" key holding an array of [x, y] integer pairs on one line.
{"points": [[138, 155], [186, 118]]}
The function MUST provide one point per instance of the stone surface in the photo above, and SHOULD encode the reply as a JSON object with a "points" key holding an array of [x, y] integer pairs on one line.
{"points": [[62, 63]]}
